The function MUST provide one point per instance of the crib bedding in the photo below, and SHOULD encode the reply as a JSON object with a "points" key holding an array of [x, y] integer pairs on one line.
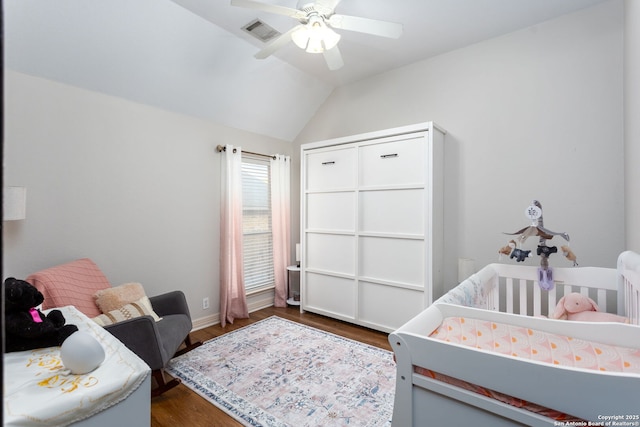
{"points": [[538, 345], [532, 344]]}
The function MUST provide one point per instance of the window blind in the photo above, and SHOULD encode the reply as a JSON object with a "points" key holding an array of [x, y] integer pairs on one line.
{"points": [[256, 224]]}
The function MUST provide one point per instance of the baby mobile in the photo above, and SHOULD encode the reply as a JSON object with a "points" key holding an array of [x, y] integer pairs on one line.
{"points": [[514, 247]]}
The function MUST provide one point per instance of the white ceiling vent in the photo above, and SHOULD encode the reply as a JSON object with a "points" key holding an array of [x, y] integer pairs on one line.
{"points": [[261, 31]]}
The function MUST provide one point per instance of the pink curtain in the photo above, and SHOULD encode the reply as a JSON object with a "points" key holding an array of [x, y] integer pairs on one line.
{"points": [[233, 302], [280, 224]]}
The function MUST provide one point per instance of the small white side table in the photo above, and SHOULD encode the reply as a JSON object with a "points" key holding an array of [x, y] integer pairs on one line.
{"points": [[291, 300]]}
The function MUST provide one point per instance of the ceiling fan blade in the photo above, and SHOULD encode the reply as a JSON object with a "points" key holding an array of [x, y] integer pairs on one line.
{"points": [[366, 25], [276, 44], [271, 8], [333, 58]]}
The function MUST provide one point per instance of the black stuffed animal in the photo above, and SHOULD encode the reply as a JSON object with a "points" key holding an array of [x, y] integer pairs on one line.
{"points": [[26, 327]]}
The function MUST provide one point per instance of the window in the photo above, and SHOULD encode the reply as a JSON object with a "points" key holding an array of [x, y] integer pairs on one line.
{"points": [[256, 223]]}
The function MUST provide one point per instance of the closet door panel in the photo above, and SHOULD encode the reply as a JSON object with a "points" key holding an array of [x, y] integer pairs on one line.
{"points": [[330, 294], [393, 163], [331, 253], [331, 211], [388, 306], [392, 211], [394, 260], [331, 170]]}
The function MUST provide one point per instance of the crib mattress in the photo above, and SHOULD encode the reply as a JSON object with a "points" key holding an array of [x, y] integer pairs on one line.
{"points": [[541, 346], [532, 344]]}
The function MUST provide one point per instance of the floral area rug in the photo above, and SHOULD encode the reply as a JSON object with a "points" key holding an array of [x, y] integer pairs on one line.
{"points": [[276, 372]]}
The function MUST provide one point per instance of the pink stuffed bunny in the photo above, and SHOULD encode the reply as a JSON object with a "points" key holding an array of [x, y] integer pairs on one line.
{"points": [[575, 306]]}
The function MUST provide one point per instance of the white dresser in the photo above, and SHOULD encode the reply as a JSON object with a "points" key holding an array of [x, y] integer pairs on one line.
{"points": [[372, 225]]}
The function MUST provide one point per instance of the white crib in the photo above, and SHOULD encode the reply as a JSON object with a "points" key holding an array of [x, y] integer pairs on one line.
{"points": [[510, 294]]}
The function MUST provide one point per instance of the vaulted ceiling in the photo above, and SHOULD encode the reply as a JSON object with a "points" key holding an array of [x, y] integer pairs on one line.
{"points": [[191, 56]]}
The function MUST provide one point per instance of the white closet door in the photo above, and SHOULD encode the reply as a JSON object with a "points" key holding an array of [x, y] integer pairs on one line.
{"points": [[392, 260], [330, 295], [393, 163], [331, 253], [331, 170], [388, 306], [392, 211], [331, 211]]}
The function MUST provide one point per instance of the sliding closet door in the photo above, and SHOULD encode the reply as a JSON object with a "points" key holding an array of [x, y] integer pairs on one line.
{"points": [[330, 242], [391, 229]]}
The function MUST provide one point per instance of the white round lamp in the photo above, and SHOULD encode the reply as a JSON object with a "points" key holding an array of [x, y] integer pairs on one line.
{"points": [[81, 353]]}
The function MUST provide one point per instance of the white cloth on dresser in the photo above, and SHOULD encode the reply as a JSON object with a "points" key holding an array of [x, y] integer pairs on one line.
{"points": [[39, 391]]}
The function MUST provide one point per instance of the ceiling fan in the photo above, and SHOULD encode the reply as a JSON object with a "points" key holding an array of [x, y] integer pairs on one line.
{"points": [[314, 33]]}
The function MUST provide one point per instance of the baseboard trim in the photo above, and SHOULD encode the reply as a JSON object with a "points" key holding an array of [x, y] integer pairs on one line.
{"points": [[255, 302], [204, 322]]}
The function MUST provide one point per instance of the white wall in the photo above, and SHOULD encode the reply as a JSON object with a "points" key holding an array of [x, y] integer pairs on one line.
{"points": [[632, 124], [535, 114], [133, 187]]}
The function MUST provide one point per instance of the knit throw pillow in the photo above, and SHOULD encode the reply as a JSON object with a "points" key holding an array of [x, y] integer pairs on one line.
{"points": [[113, 298], [139, 308], [123, 302]]}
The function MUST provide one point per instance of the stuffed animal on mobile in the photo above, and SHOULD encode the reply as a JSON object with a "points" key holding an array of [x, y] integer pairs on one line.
{"points": [[575, 306], [520, 255], [568, 253], [507, 249], [26, 327]]}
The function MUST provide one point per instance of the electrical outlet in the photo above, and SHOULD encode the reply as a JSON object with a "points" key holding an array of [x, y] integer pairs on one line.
{"points": [[205, 303]]}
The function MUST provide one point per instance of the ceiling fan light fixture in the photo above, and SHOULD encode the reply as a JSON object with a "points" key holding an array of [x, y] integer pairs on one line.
{"points": [[330, 38], [315, 36], [315, 45], [301, 37]]}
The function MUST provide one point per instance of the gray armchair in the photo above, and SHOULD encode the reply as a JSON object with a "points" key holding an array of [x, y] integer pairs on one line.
{"points": [[75, 283]]}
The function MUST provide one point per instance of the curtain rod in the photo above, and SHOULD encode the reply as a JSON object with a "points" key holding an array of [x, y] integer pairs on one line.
{"points": [[220, 148]]}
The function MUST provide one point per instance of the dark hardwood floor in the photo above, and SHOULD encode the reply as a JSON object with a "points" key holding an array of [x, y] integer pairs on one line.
{"points": [[182, 407]]}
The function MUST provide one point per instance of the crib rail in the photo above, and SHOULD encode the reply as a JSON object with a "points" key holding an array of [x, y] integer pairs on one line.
{"points": [[629, 286], [517, 290], [628, 307]]}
